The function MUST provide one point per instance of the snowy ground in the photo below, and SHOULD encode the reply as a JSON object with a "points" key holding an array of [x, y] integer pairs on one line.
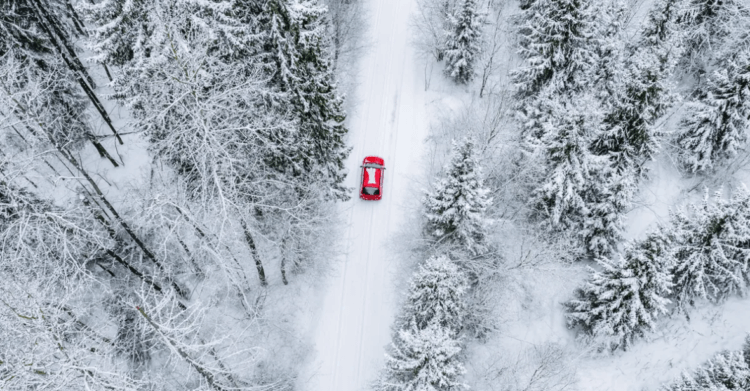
{"points": [[353, 328]]}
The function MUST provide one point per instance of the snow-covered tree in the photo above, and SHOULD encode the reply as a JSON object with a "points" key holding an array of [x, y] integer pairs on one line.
{"points": [[641, 93], [608, 201], [462, 45], [426, 347], [557, 41], [560, 200], [423, 360], [436, 295], [37, 56], [711, 249], [624, 299], [455, 209], [708, 27], [716, 125], [296, 49], [727, 370]]}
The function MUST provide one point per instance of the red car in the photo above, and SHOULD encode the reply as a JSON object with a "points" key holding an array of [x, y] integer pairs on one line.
{"points": [[372, 179]]}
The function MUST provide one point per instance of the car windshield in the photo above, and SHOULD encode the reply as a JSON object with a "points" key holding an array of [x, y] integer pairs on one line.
{"points": [[371, 190]]}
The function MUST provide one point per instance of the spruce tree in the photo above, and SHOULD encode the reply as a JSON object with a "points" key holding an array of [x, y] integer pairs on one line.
{"points": [[557, 43], [455, 209], [296, 50], [608, 200], [423, 360], [642, 93], [709, 25], [624, 299], [463, 43], [436, 295], [426, 346], [560, 201], [727, 370], [716, 125], [711, 249]]}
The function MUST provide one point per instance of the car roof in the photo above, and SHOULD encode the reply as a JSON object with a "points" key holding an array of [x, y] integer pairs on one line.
{"points": [[374, 160]]}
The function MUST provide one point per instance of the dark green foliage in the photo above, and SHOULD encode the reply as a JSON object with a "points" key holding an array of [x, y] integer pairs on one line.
{"points": [[557, 42], [712, 249], [625, 298], [716, 125]]}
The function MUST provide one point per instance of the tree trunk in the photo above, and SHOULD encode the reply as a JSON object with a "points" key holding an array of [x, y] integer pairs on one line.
{"points": [[283, 261], [254, 252], [173, 346], [73, 63]]}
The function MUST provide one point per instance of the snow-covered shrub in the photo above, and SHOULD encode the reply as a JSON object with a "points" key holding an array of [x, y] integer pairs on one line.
{"points": [[539, 367]]}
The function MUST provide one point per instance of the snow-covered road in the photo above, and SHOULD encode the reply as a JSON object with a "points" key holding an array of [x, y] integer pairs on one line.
{"points": [[358, 309]]}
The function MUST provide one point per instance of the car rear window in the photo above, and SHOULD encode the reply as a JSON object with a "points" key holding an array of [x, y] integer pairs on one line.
{"points": [[371, 190]]}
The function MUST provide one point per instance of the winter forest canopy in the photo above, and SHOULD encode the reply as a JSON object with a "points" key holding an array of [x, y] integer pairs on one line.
{"points": [[173, 175]]}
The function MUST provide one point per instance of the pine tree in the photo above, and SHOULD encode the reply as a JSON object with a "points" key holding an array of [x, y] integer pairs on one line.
{"points": [[455, 209], [711, 249], [557, 42], [716, 125], [423, 360], [463, 43], [436, 295], [624, 299]]}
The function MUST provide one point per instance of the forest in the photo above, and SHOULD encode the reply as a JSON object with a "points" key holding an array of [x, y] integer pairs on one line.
{"points": [[175, 177]]}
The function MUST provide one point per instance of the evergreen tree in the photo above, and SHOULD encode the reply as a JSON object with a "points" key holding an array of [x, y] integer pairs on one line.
{"points": [[711, 249], [709, 25], [641, 94], [296, 50], [624, 299], [436, 295], [463, 43], [727, 370], [717, 124], [560, 201], [426, 346], [557, 42], [423, 360], [455, 209], [608, 201]]}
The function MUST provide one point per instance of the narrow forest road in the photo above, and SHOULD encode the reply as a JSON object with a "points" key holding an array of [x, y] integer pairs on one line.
{"points": [[358, 309]]}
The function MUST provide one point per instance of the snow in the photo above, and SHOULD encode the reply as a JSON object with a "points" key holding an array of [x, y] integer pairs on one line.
{"points": [[354, 322]]}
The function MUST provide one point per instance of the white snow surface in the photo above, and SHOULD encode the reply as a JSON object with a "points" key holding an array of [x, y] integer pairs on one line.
{"points": [[353, 328]]}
